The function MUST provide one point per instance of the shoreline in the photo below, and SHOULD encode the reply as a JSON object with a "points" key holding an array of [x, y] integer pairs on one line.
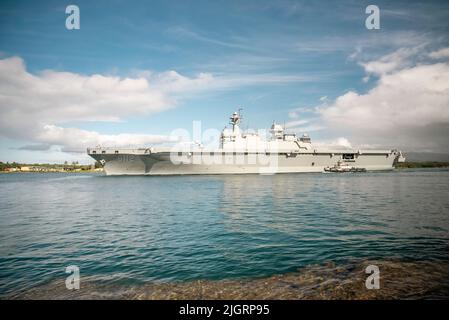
{"points": [[398, 280], [83, 171], [399, 168]]}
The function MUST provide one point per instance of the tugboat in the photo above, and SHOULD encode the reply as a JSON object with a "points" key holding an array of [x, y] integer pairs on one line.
{"points": [[343, 167]]}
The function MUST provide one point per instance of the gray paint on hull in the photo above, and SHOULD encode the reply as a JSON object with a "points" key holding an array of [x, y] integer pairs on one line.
{"points": [[151, 164]]}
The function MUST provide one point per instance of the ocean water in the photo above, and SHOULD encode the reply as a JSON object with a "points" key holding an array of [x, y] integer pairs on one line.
{"points": [[137, 230]]}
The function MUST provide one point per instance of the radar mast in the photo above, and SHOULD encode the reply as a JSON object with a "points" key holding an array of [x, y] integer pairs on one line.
{"points": [[236, 119]]}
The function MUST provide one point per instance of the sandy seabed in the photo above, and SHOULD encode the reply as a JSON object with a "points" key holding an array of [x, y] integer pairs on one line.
{"points": [[398, 280]]}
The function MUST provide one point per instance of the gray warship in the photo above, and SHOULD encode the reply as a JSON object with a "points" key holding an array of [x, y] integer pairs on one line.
{"points": [[242, 153]]}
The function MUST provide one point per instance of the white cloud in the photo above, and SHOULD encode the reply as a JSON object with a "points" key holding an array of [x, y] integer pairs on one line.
{"points": [[369, 42], [186, 33], [339, 143], [34, 106], [295, 123], [29, 102], [439, 54], [76, 140], [408, 107], [415, 96], [171, 81], [391, 62], [307, 128], [303, 111]]}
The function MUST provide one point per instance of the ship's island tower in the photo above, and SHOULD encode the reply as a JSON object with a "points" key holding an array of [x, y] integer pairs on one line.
{"points": [[233, 139]]}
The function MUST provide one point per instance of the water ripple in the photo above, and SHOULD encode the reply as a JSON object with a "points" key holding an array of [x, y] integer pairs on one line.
{"points": [[214, 227]]}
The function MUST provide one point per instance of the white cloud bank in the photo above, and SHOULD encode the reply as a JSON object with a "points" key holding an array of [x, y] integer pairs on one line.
{"points": [[339, 143], [54, 135], [439, 54], [33, 107], [408, 107]]}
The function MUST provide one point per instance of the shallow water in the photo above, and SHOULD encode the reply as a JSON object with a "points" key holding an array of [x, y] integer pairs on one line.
{"points": [[398, 280], [131, 231]]}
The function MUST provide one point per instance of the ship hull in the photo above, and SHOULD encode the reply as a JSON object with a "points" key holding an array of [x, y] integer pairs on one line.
{"points": [[162, 164]]}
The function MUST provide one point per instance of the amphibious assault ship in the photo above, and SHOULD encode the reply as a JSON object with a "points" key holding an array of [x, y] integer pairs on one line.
{"points": [[241, 153]]}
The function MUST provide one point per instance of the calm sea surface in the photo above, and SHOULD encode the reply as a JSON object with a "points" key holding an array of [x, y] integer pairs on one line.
{"points": [[139, 229]]}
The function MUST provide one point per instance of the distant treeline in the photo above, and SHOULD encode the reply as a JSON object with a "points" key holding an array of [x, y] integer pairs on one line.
{"points": [[66, 165], [423, 164]]}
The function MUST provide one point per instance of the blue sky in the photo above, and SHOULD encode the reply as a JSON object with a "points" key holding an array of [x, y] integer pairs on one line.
{"points": [[279, 60]]}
